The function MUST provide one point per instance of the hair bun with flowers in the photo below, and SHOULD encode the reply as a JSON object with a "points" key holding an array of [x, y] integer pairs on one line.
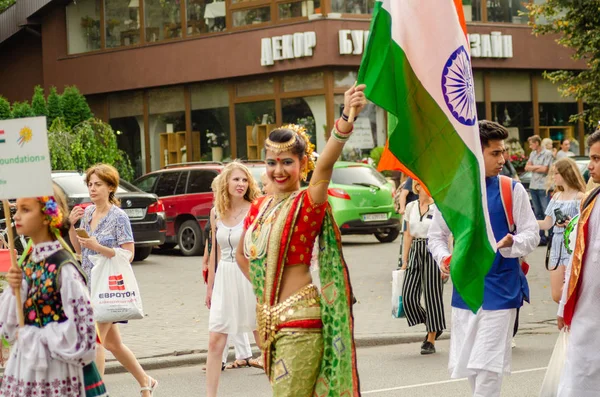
{"points": [[310, 148], [52, 211]]}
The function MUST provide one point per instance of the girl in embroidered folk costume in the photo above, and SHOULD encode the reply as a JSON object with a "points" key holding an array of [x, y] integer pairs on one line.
{"points": [[53, 353], [306, 334]]}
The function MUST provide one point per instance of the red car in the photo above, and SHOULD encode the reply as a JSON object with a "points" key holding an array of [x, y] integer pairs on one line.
{"points": [[186, 194]]}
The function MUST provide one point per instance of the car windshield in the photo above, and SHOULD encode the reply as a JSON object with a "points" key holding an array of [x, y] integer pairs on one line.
{"points": [[74, 184], [358, 175]]}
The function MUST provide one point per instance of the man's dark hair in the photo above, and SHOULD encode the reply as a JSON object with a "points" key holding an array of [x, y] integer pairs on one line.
{"points": [[491, 131], [594, 138]]}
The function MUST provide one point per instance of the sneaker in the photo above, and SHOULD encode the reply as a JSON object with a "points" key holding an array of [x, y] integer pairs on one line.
{"points": [[427, 348], [513, 344]]}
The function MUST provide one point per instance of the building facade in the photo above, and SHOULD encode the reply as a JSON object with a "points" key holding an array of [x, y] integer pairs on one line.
{"points": [[168, 73]]}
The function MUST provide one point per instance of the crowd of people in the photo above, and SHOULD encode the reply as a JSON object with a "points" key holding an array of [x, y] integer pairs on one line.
{"points": [[274, 269]]}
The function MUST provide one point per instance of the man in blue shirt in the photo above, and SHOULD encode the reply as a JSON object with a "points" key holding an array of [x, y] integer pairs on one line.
{"points": [[480, 343]]}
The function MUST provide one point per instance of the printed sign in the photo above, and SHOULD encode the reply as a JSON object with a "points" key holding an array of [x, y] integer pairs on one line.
{"points": [[362, 138], [24, 158]]}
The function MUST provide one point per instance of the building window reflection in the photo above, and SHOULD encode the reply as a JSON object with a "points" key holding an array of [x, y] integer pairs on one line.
{"points": [[472, 10], [353, 6], [506, 11], [252, 16], [204, 17], [167, 126], [247, 116], [298, 9], [122, 22], [126, 118], [83, 26], [210, 114], [162, 19]]}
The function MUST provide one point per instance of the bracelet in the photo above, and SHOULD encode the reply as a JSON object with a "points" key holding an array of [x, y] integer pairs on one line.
{"points": [[346, 118], [338, 137], [348, 133], [318, 183]]}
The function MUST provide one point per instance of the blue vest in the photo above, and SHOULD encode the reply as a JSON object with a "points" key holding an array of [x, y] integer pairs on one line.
{"points": [[505, 284]]}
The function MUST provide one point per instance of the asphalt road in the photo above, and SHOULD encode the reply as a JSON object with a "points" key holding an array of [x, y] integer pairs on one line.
{"points": [[385, 371]]}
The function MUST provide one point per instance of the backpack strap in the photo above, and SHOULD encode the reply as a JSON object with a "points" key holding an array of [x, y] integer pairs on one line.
{"points": [[506, 195], [590, 197]]}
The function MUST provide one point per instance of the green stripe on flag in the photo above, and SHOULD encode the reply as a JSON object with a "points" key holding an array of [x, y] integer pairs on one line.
{"points": [[426, 142]]}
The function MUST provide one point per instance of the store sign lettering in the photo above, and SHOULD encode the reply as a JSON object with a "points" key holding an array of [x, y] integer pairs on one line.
{"points": [[352, 42], [493, 45], [288, 46]]}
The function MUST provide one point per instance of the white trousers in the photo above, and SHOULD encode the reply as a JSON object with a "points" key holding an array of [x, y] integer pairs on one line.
{"points": [[486, 383], [241, 344]]}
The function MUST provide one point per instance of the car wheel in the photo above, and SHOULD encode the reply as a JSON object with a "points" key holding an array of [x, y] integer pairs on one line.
{"points": [[189, 237], [388, 237], [141, 253]]}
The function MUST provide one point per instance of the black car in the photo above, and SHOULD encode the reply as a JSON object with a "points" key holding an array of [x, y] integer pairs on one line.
{"points": [[146, 212]]}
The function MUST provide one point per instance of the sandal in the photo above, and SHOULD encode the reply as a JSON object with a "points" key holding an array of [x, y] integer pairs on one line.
{"points": [[256, 362], [152, 385], [237, 364]]}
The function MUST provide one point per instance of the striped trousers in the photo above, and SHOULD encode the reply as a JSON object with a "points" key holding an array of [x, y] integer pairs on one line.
{"points": [[423, 277]]}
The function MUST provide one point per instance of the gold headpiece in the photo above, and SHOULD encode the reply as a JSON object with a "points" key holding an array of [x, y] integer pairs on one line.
{"points": [[300, 133]]}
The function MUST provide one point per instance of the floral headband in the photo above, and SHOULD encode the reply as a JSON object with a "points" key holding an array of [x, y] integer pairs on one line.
{"points": [[52, 212]]}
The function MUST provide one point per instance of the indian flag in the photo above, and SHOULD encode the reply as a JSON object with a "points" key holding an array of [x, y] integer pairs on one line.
{"points": [[417, 67]]}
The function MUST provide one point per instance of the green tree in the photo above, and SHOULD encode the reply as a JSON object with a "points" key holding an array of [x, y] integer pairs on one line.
{"points": [[74, 107], [54, 106], [89, 142], [5, 112], [4, 4], [577, 24], [22, 109], [38, 102]]}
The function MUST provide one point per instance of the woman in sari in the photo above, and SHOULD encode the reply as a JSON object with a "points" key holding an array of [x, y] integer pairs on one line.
{"points": [[306, 333]]}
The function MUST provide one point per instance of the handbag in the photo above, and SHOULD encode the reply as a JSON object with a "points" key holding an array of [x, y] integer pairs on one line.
{"points": [[115, 292], [397, 282], [555, 366]]}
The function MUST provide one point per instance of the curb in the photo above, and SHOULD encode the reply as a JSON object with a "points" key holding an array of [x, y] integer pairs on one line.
{"points": [[198, 357]]}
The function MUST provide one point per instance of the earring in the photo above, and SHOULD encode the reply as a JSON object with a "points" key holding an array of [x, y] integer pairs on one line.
{"points": [[304, 174]]}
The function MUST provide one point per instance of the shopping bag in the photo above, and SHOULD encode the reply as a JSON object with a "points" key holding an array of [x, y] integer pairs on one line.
{"points": [[115, 292], [397, 282], [555, 366]]}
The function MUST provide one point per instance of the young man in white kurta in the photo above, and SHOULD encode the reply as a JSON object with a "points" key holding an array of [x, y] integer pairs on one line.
{"points": [[480, 344], [581, 373]]}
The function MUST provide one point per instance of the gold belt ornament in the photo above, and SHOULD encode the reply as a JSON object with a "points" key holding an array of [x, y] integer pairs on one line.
{"points": [[270, 317]]}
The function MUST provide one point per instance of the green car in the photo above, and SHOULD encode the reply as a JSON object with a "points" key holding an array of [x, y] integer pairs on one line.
{"points": [[362, 201]]}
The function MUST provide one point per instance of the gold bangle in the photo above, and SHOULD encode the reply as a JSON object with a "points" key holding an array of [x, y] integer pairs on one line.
{"points": [[318, 183]]}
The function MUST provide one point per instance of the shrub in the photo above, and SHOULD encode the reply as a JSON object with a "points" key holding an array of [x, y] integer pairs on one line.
{"points": [[54, 106], [38, 102], [21, 110], [5, 112]]}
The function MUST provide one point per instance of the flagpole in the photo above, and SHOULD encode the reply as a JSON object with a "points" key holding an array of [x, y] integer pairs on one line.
{"points": [[13, 260], [352, 115]]}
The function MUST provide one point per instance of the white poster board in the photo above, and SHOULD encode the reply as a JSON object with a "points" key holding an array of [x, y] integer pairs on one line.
{"points": [[24, 158], [362, 137]]}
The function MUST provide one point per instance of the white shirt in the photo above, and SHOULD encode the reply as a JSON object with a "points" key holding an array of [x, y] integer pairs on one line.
{"points": [[524, 241], [418, 224]]}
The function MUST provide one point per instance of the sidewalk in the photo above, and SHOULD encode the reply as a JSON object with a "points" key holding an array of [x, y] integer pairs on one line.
{"points": [[174, 331]]}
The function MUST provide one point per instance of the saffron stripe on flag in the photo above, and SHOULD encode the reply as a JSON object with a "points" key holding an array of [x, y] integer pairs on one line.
{"points": [[414, 48], [2, 140]]}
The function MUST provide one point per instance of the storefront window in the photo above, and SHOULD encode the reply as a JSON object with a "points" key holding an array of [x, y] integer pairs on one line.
{"points": [[506, 11], [255, 87], [298, 9], [247, 115], [472, 10], [353, 6], [251, 16], [309, 112], [512, 106], [517, 117], [204, 16], [305, 81], [83, 26], [344, 78], [162, 19], [369, 130], [126, 119], [122, 22], [167, 126], [210, 114]]}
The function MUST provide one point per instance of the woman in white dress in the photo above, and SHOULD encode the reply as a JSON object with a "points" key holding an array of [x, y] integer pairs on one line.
{"points": [[229, 295]]}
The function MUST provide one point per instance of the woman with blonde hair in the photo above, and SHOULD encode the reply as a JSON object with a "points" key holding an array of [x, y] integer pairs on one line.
{"points": [[108, 227], [229, 294], [569, 190]]}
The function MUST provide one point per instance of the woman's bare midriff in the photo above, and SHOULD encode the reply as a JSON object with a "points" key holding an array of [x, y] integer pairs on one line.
{"points": [[293, 280]]}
